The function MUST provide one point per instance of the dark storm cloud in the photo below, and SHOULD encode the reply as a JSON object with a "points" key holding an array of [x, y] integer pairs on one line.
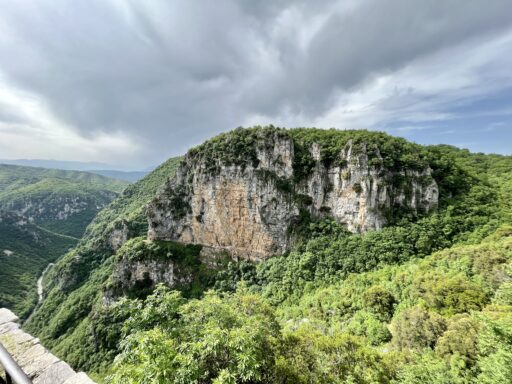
{"points": [[376, 38], [170, 73]]}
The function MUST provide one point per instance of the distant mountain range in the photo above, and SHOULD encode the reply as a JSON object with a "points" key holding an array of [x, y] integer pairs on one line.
{"points": [[132, 176], [93, 167]]}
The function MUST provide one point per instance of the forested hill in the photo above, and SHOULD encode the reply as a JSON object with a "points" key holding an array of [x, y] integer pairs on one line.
{"points": [[425, 298], [43, 213], [47, 196]]}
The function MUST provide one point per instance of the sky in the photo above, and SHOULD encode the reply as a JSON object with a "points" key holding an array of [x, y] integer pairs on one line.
{"points": [[131, 83]]}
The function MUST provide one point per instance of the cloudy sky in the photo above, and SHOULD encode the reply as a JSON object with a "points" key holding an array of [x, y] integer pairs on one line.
{"points": [[131, 82]]}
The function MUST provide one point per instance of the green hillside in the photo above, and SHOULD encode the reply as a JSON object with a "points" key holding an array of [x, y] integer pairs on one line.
{"points": [[25, 251], [77, 280], [42, 194], [426, 299], [43, 214], [444, 319]]}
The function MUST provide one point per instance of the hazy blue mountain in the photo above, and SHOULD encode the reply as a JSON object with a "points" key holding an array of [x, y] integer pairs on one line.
{"points": [[132, 176], [103, 169], [57, 164]]}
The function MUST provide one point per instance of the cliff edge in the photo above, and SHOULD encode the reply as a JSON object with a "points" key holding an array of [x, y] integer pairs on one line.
{"points": [[244, 191]]}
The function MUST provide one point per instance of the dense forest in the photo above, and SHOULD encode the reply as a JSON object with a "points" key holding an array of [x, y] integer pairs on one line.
{"points": [[426, 299], [43, 213]]}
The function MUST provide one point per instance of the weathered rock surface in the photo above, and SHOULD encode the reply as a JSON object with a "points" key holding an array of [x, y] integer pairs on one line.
{"points": [[145, 274], [235, 210], [118, 236], [248, 209], [35, 360], [56, 208]]}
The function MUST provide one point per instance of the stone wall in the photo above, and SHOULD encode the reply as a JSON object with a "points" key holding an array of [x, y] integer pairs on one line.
{"points": [[35, 360]]}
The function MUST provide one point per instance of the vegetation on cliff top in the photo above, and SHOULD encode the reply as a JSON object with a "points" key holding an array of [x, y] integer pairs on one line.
{"points": [[398, 162], [239, 147]]}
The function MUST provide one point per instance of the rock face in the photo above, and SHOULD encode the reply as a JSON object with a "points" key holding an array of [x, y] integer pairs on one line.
{"points": [[118, 236], [144, 274], [248, 209], [141, 265]]}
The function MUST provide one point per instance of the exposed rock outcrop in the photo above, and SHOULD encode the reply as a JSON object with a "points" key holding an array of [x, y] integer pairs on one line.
{"points": [[57, 208], [144, 275], [248, 208], [140, 265], [118, 235]]}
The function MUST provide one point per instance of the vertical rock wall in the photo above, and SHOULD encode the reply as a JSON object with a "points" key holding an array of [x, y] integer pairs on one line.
{"points": [[248, 209]]}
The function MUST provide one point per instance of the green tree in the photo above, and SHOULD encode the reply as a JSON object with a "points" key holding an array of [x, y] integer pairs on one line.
{"points": [[309, 356], [416, 328], [451, 294], [495, 344], [366, 324], [460, 339], [219, 339], [429, 368], [379, 300]]}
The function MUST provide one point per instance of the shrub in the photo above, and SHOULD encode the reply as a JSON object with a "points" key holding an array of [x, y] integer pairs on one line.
{"points": [[415, 328], [379, 300]]}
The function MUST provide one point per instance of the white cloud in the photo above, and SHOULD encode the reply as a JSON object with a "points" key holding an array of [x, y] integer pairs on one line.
{"points": [[31, 130]]}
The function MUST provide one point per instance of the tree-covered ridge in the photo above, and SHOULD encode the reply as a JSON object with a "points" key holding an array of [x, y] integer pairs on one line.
{"points": [[14, 177], [396, 153], [60, 201], [330, 311], [239, 147]]}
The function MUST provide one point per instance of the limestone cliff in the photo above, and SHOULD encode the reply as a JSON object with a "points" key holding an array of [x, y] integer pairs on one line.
{"points": [[245, 197]]}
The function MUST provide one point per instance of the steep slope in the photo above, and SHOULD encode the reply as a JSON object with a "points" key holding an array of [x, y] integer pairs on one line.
{"points": [[43, 212], [82, 317], [77, 281], [358, 308], [444, 319], [25, 250]]}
